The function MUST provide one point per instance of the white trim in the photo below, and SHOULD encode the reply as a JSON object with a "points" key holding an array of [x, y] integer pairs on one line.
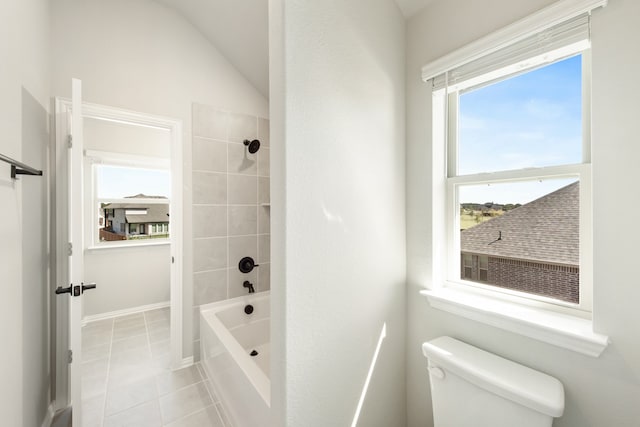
{"points": [[177, 238], [48, 417], [570, 332], [527, 174], [532, 24], [61, 341], [158, 242], [521, 66], [75, 220], [184, 363], [109, 158], [117, 313]]}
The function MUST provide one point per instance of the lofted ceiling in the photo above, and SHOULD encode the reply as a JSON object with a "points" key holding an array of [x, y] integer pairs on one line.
{"points": [[411, 7], [239, 29]]}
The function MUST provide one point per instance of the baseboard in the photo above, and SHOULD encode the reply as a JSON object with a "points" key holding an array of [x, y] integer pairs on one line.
{"points": [[126, 311], [184, 363], [48, 417]]}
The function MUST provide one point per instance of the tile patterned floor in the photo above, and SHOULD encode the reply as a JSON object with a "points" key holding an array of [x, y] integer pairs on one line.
{"points": [[127, 380]]}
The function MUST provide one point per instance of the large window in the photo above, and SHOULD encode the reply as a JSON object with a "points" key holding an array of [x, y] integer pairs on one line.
{"points": [[130, 204], [517, 180]]}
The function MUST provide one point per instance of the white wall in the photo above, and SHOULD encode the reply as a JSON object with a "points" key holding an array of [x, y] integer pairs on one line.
{"points": [[24, 363], [126, 278], [598, 392], [124, 138], [144, 57], [337, 211]]}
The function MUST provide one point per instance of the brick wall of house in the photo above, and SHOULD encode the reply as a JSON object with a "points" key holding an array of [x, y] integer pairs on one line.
{"points": [[555, 281]]}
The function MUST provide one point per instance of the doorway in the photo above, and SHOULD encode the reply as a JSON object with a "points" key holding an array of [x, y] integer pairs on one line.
{"points": [[154, 224]]}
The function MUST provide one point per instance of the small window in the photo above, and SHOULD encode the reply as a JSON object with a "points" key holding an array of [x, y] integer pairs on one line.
{"points": [[467, 266], [483, 266], [132, 199]]}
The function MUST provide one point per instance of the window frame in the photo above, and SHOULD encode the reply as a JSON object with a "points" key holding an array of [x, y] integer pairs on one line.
{"points": [[445, 122]]}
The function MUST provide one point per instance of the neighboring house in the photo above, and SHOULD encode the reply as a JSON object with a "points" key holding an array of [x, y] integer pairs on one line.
{"points": [[135, 220], [533, 248]]}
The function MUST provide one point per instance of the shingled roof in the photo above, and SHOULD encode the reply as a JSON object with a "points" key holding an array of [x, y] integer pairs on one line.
{"points": [[155, 212], [546, 229]]}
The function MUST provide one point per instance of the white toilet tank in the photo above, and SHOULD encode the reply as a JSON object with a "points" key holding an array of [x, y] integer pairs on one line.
{"points": [[474, 388]]}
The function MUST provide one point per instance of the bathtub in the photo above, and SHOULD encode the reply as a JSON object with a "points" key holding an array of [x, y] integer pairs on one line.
{"points": [[227, 338]]}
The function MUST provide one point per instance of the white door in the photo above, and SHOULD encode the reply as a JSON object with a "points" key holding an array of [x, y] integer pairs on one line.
{"points": [[76, 286]]}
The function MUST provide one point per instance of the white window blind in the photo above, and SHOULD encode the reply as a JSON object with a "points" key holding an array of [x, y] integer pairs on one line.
{"points": [[550, 34], [560, 41]]}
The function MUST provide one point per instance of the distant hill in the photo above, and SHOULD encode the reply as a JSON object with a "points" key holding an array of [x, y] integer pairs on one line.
{"points": [[489, 206], [144, 196]]}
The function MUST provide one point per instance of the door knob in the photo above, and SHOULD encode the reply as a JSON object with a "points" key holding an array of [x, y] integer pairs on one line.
{"points": [[89, 286], [61, 290], [74, 290]]}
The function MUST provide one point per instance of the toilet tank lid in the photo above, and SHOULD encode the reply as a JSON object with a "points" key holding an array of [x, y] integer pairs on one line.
{"points": [[518, 383]]}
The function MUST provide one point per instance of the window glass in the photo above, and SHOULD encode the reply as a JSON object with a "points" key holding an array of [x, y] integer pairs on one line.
{"points": [[117, 182], [527, 236], [132, 203], [531, 120]]}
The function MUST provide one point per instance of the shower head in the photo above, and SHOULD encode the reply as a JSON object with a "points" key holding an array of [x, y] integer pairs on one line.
{"points": [[253, 146]]}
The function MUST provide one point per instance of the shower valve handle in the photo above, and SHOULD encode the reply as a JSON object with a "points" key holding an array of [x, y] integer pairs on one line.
{"points": [[247, 264]]}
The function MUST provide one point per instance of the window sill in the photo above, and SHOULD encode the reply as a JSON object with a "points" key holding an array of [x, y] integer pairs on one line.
{"points": [[558, 329], [129, 245]]}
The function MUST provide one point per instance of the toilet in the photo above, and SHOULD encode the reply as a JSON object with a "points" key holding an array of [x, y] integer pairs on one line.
{"points": [[471, 387]]}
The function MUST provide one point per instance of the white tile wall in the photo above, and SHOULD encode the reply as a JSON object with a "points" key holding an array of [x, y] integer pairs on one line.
{"points": [[242, 190], [241, 161], [208, 122], [263, 132], [243, 220], [264, 219], [209, 286], [228, 220], [211, 220], [209, 155], [263, 190], [240, 247], [264, 248], [209, 188], [242, 126], [263, 161], [209, 254]]}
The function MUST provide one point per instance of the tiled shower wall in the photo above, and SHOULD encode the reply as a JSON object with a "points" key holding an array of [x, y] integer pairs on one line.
{"points": [[230, 206]]}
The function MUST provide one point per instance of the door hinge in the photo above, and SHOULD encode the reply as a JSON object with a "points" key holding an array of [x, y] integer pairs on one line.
{"points": [[70, 357], [173, 260], [69, 249], [70, 141]]}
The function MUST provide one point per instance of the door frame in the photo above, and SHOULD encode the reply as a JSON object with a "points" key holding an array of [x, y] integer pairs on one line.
{"points": [[62, 130]]}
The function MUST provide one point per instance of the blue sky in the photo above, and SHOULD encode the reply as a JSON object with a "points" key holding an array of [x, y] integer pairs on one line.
{"points": [[116, 182], [531, 120]]}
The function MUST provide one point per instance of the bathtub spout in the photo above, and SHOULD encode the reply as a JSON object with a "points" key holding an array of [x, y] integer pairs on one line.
{"points": [[249, 285]]}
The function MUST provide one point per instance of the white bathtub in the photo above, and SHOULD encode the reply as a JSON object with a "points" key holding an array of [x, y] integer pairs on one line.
{"points": [[227, 337]]}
